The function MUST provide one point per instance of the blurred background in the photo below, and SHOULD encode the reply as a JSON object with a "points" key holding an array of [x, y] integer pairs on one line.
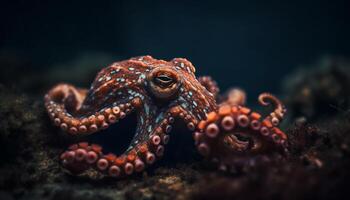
{"points": [[252, 44], [297, 50]]}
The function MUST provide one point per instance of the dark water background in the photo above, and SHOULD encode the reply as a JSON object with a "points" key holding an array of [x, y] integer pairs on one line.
{"points": [[252, 44]]}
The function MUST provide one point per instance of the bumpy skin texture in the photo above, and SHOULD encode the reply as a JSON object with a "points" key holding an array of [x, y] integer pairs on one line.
{"points": [[157, 90], [236, 135], [210, 84]]}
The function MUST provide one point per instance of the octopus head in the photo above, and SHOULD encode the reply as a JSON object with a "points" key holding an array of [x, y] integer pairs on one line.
{"points": [[176, 84]]}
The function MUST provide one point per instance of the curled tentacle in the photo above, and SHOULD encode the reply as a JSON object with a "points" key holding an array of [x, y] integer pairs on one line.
{"points": [[234, 135], [80, 157], [210, 84], [279, 111], [64, 103]]}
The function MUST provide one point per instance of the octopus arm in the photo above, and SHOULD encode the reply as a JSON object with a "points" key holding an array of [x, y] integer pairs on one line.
{"points": [[65, 105], [210, 84], [148, 148], [235, 132]]}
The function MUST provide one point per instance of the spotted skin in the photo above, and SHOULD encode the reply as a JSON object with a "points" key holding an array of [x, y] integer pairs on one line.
{"points": [[158, 91]]}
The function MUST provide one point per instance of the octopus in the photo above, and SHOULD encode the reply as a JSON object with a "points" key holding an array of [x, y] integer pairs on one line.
{"points": [[160, 93]]}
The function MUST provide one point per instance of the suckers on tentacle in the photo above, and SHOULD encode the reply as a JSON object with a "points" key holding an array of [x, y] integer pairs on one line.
{"points": [[235, 134]]}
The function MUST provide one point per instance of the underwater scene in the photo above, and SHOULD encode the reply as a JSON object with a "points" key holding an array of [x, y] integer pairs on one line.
{"points": [[174, 100]]}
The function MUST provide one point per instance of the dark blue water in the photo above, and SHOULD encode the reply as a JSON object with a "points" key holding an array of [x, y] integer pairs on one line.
{"points": [[252, 44]]}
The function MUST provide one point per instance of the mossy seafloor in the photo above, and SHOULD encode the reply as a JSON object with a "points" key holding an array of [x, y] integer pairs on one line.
{"points": [[317, 168]]}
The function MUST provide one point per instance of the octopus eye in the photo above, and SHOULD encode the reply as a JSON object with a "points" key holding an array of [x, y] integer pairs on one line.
{"points": [[164, 80]]}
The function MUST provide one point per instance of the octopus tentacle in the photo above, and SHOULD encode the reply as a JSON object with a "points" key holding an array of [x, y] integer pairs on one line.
{"points": [[279, 111], [80, 157], [64, 102], [210, 84], [235, 132], [190, 120]]}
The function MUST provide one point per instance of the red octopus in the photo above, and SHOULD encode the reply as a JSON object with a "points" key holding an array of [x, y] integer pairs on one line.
{"points": [[159, 92]]}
